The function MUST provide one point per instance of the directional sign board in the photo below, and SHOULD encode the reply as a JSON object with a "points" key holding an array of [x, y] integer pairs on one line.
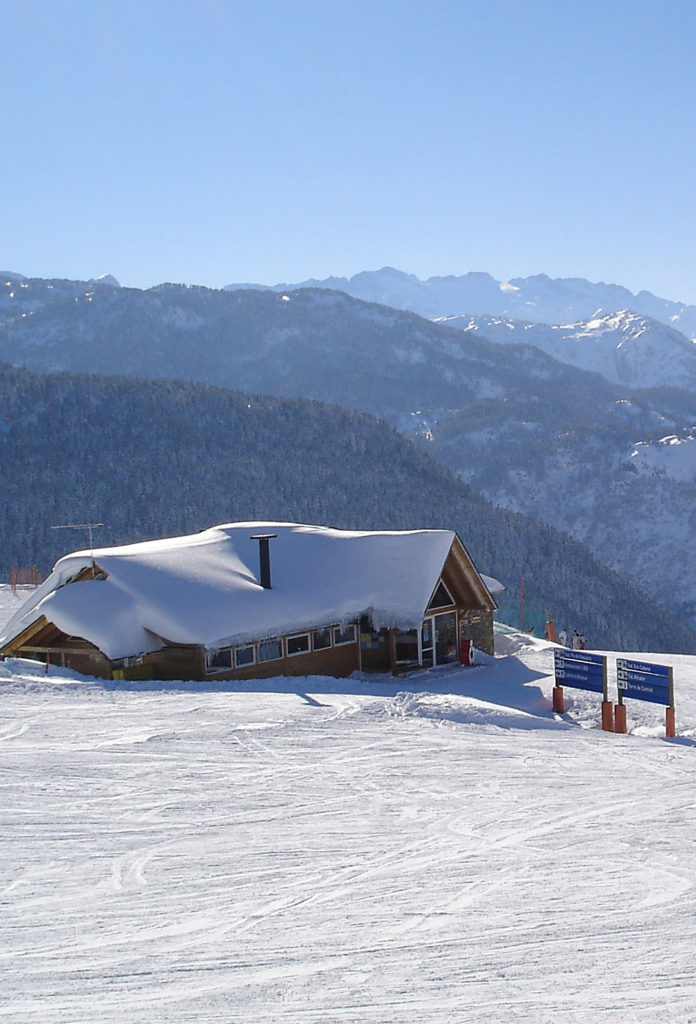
{"points": [[580, 670], [643, 681]]}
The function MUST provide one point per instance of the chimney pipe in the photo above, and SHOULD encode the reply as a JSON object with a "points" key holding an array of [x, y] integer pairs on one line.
{"points": [[264, 558]]}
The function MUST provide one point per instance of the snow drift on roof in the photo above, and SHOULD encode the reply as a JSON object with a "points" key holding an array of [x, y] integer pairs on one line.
{"points": [[204, 589]]}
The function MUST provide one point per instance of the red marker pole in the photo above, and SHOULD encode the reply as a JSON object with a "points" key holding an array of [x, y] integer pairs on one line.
{"points": [[558, 705], [670, 731], [620, 715], [607, 706]]}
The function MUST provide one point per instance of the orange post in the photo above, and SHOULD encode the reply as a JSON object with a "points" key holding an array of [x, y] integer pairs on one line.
{"points": [[607, 716], [669, 723], [620, 718], [550, 628], [558, 705]]}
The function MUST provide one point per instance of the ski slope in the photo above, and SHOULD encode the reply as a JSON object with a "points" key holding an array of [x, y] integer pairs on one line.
{"points": [[433, 849]]}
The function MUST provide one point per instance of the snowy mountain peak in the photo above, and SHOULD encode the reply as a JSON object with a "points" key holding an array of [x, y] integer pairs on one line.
{"points": [[624, 347], [105, 279], [538, 299]]}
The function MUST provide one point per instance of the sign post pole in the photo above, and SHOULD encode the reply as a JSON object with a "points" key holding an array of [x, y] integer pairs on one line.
{"points": [[670, 731], [607, 706], [558, 705]]}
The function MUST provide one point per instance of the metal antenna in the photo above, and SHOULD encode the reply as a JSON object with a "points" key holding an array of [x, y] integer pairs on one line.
{"points": [[82, 526]]}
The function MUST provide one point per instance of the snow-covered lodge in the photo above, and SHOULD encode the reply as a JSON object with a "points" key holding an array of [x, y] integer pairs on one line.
{"points": [[249, 600]]}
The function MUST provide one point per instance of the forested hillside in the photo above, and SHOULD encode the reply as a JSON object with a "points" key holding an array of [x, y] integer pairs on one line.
{"points": [[160, 458], [532, 434]]}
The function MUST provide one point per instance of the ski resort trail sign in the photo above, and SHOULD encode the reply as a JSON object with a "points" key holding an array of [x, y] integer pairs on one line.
{"points": [[582, 671], [641, 680]]}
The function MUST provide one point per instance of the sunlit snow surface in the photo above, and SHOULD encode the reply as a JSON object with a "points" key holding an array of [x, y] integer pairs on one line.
{"points": [[436, 849]]}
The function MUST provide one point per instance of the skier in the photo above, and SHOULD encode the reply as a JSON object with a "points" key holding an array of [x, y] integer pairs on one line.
{"points": [[562, 637], [575, 640]]}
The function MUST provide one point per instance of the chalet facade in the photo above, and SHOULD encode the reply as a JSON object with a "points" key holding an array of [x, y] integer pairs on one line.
{"points": [[251, 600]]}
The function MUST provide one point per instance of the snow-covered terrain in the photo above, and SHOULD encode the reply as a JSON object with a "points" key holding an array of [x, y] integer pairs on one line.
{"points": [[539, 299], [623, 347], [671, 457], [439, 848], [523, 430]]}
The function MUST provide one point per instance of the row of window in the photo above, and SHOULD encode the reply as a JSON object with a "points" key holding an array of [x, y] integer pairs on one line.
{"points": [[272, 650]]}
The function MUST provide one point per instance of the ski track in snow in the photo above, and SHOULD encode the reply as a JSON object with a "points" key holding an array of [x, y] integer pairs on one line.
{"points": [[437, 849]]}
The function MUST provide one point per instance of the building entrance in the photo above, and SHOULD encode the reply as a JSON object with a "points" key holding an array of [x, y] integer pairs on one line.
{"points": [[439, 640]]}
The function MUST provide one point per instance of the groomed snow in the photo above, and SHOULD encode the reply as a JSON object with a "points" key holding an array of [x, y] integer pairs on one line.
{"points": [[433, 849]]}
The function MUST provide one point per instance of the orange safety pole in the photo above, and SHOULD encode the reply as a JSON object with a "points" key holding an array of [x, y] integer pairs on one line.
{"points": [[550, 628], [558, 705], [607, 716], [620, 717], [669, 713]]}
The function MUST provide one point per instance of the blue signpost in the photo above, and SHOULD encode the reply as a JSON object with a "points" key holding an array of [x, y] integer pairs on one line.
{"points": [[582, 671], [641, 680]]}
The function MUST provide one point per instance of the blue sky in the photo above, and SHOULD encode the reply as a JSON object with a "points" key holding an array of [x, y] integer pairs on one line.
{"points": [[216, 141]]}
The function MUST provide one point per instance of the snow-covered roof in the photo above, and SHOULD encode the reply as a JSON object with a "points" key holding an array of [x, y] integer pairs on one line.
{"points": [[493, 586], [204, 589]]}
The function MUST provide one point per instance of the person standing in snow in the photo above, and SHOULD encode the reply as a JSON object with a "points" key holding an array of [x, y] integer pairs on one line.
{"points": [[575, 640], [562, 637], [582, 642]]}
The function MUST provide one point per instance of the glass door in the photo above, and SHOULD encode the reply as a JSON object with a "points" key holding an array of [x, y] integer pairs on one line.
{"points": [[446, 639], [439, 640]]}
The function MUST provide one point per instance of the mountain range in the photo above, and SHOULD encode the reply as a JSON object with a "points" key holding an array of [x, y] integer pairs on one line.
{"points": [[613, 465], [537, 299]]}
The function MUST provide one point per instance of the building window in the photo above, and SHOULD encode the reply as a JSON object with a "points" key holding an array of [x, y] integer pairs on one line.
{"points": [[321, 639], [244, 656], [442, 597], [298, 644], [344, 635], [270, 650], [217, 661]]}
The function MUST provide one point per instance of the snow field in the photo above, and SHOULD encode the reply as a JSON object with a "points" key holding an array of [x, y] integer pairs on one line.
{"points": [[435, 849]]}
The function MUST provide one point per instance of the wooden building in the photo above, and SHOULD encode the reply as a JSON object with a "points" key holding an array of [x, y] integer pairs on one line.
{"points": [[250, 600]]}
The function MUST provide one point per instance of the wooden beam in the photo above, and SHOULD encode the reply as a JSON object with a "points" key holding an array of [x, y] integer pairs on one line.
{"points": [[56, 650], [392, 651]]}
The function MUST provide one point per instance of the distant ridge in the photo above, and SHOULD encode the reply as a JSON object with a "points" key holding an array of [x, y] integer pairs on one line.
{"points": [[624, 347], [105, 279], [611, 465], [536, 299]]}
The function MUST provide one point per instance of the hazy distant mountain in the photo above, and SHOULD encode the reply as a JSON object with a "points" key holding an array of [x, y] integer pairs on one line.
{"points": [[105, 279], [311, 343], [537, 299], [624, 347], [533, 434]]}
